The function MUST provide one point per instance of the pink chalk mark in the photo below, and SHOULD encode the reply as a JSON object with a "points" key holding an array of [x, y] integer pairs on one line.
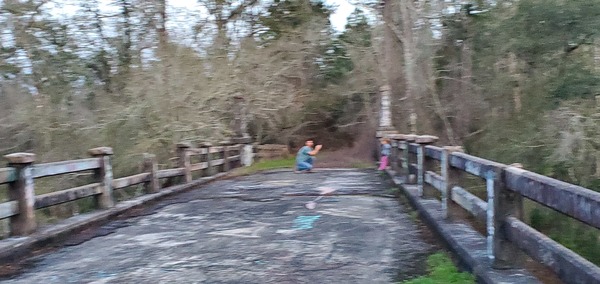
{"points": [[326, 190], [313, 204]]}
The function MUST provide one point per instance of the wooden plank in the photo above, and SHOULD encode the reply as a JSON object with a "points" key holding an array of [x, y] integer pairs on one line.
{"points": [[271, 147], [470, 202], [130, 180], [199, 166], [64, 167], [170, 173], [413, 169], [7, 175], [59, 197], [576, 201], [569, 266], [412, 148], [234, 158], [433, 152], [217, 149], [198, 151], [474, 165], [8, 209], [434, 180], [236, 147], [217, 162], [402, 146]]}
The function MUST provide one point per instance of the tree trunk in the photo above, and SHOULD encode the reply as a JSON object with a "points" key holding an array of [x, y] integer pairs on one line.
{"points": [[514, 73], [392, 58], [409, 64]]}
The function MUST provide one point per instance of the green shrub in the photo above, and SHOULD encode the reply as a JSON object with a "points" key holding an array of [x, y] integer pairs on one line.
{"points": [[442, 270]]}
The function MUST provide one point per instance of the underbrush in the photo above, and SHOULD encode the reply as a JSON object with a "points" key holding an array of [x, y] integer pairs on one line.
{"points": [[442, 270]]}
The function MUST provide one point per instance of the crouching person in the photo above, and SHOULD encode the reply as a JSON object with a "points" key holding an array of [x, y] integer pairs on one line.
{"points": [[305, 157]]}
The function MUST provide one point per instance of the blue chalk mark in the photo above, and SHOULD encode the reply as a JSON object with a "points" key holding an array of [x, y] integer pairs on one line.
{"points": [[260, 262], [305, 222], [103, 274]]}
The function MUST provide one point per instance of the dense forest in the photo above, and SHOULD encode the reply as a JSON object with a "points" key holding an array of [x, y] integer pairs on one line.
{"points": [[516, 81]]}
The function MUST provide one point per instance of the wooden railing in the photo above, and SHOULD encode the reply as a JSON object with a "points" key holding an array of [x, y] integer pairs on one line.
{"points": [[439, 172], [21, 173]]}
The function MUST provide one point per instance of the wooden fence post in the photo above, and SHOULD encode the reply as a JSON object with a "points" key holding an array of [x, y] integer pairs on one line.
{"points": [[504, 203], [22, 191], [185, 160], [104, 176], [209, 171], [226, 165], [396, 155], [450, 175], [408, 156], [151, 167], [420, 169], [424, 164], [403, 147], [393, 158]]}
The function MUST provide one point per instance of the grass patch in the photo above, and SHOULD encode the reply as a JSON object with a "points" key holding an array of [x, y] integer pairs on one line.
{"points": [[414, 215], [265, 165], [442, 270], [392, 190], [361, 165]]}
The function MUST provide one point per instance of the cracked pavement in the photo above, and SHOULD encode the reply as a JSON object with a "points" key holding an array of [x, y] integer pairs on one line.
{"points": [[254, 229]]}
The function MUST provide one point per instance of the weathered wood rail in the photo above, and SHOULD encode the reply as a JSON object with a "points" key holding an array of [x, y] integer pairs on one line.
{"points": [[271, 151], [439, 172], [21, 173]]}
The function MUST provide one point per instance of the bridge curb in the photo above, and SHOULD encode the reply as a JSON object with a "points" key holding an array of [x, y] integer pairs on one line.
{"points": [[468, 244], [15, 248]]}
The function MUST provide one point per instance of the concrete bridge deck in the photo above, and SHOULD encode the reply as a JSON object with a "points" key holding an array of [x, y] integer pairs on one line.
{"points": [[253, 229]]}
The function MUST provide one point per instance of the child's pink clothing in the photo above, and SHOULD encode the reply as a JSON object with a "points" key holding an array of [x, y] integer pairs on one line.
{"points": [[383, 163]]}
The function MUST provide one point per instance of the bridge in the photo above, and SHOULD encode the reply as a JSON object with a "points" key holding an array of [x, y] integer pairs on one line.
{"points": [[195, 222]]}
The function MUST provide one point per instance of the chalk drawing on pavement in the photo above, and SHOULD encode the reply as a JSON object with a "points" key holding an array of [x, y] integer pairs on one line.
{"points": [[326, 190], [305, 222], [248, 232]]}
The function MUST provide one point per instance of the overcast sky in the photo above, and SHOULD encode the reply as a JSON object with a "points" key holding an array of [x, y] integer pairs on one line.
{"points": [[338, 19], [184, 10]]}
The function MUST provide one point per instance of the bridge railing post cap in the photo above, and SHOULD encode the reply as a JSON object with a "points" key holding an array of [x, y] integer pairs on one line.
{"points": [[101, 151], [20, 158], [395, 136], [410, 137], [401, 137], [426, 139], [384, 132], [148, 156], [184, 145]]}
